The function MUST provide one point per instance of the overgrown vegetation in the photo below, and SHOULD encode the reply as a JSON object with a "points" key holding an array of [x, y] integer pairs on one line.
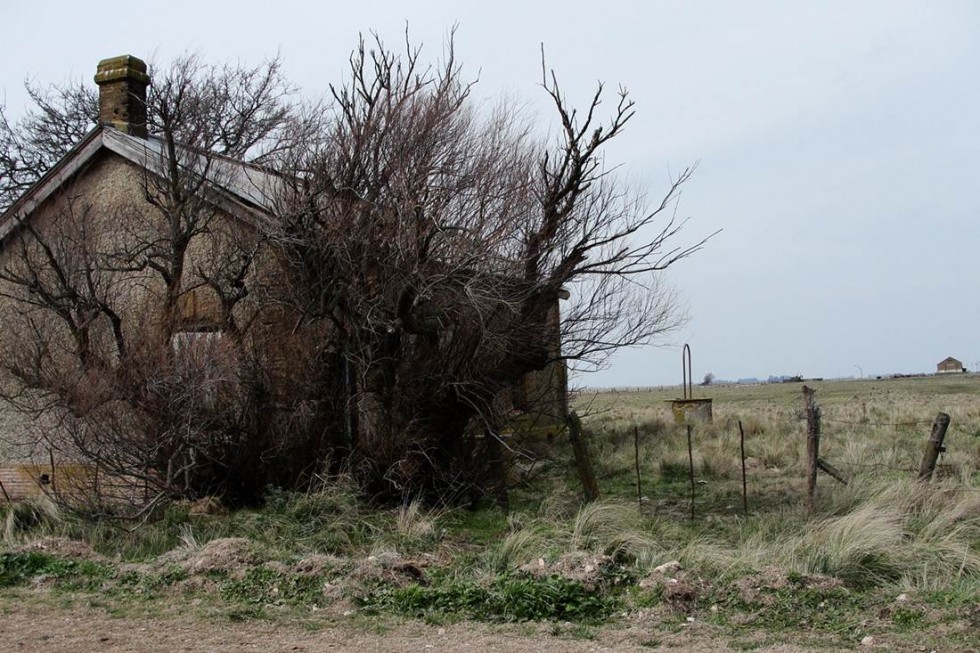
{"points": [[371, 303], [885, 556]]}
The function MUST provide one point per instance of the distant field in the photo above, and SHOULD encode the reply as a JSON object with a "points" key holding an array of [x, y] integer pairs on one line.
{"points": [[833, 391], [873, 401]]}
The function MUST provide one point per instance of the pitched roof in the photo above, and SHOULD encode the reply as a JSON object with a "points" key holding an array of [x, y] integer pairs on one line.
{"points": [[251, 189]]}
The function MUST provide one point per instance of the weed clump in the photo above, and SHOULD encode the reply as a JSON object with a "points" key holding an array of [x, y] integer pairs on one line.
{"points": [[266, 585], [508, 598]]}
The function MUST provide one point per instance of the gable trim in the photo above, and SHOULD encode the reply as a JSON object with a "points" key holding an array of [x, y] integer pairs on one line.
{"points": [[243, 190], [52, 180]]}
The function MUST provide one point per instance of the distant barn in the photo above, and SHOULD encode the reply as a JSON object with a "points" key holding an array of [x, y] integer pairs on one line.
{"points": [[949, 365]]}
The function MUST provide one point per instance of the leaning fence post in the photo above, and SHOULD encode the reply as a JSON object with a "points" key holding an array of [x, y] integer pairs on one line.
{"points": [[812, 446], [934, 447], [582, 459]]}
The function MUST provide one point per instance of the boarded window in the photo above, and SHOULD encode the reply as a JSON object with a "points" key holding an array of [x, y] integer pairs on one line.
{"points": [[199, 309]]}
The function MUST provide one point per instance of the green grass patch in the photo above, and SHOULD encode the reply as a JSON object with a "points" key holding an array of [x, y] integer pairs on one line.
{"points": [[836, 611], [508, 598], [906, 619], [146, 586], [262, 586], [476, 526], [20, 568]]}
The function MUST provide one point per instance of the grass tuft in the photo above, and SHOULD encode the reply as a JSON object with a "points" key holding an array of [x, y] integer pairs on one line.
{"points": [[32, 516], [611, 527]]}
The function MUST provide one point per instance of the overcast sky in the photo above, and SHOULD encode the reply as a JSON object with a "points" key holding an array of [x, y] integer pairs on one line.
{"points": [[838, 144]]}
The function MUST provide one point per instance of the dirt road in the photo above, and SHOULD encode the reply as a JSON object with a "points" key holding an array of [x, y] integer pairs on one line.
{"points": [[41, 626]]}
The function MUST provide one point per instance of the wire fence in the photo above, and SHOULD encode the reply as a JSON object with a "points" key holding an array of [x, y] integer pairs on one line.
{"points": [[911, 467], [921, 464]]}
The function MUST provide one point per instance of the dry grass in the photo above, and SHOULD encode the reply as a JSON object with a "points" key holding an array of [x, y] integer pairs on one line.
{"points": [[883, 527], [610, 527], [35, 514], [415, 522], [890, 532]]}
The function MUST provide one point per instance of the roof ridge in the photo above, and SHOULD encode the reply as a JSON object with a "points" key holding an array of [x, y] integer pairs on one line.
{"points": [[249, 187]]}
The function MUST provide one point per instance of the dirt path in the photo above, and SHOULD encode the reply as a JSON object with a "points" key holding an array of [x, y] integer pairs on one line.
{"points": [[40, 626]]}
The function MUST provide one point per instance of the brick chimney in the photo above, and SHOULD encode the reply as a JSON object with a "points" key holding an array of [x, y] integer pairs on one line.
{"points": [[122, 94]]}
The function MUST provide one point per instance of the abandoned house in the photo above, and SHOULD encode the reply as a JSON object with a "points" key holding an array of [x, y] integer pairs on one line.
{"points": [[106, 176], [949, 365]]}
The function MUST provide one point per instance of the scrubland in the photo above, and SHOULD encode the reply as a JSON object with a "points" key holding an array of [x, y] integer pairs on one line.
{"points": [[885, 561]]}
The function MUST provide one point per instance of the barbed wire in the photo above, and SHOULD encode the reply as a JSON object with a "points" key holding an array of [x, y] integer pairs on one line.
{"points": [[866, 423], [910, 468]]}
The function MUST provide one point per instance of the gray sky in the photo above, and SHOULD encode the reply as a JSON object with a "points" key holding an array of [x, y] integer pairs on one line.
{"points": [[838, 144]]}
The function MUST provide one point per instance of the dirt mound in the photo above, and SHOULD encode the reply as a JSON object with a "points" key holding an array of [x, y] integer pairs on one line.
{"points": [[231, 555], [61, 547], [318, 564], [389, 569], [680, 589], [587, 568], [682, 592], [757, 587]]}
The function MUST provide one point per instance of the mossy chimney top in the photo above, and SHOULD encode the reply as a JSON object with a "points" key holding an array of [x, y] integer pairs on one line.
{"points": [[122, 84]]}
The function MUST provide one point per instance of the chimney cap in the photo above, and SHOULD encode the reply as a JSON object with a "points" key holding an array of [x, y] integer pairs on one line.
{"points": [[122, 67]]}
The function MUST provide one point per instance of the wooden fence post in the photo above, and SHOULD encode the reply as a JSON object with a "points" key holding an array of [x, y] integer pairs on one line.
{"points": [[636, 453], [812, 446], [745, 491], [835, 473], [583, 461], [498, 469], [690, 461], [934, 447]]}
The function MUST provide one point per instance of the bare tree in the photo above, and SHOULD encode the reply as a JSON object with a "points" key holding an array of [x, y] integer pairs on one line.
{"points": [[62, 115], [381, 319], [433, 242]]}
